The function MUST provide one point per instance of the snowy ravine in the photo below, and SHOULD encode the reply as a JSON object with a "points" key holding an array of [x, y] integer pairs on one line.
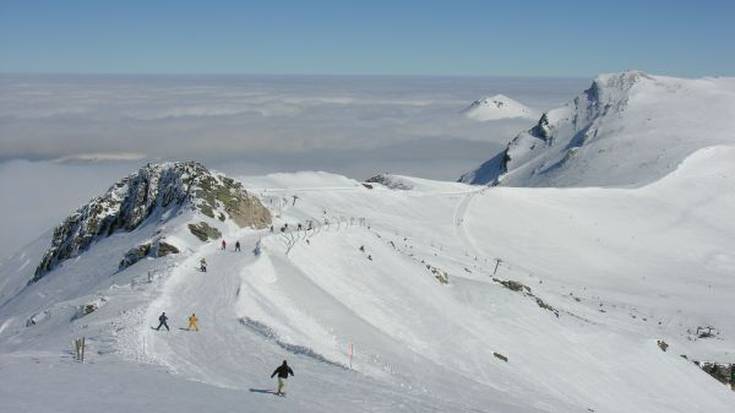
{"points": [[390, 302], [626, 129]]}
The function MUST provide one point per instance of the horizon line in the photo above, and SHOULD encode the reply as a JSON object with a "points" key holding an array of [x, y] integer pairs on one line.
{"points": [[296, 74]]}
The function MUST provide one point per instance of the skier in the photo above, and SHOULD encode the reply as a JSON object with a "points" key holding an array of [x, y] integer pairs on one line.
{"points": [[193, 323], [224, 245], [362, 248], [237, 246], [300, 227], [271, 229], [162, 322], [257, 249], [283, 371], [203, 265]]}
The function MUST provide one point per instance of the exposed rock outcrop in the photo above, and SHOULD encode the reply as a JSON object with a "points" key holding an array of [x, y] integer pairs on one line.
{"points": [[390, 181], [153, 249], [526, 291], [500, 356], [204, 231], [722, 372], [155, 189], [441, 276], [90, 307]]}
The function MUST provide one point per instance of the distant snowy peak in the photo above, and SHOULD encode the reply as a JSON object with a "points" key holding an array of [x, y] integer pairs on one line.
{"points": [[155, 189], [497, 107], [627, 128]]}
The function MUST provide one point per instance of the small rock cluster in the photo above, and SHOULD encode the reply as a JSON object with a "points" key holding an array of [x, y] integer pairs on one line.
{"points": [[153, 249], [526, 291]]}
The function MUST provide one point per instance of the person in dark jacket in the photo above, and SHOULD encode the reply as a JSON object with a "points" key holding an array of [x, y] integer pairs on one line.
{"points": [[282, 371], [237, 246], [162, 321]]}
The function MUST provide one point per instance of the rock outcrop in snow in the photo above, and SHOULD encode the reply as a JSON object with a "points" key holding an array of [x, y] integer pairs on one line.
{"points": [[155, 249], [627, 128], [155, 189], [391, 181], [497, 107]]}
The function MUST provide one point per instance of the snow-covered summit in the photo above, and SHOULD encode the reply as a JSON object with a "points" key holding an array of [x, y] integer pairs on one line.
{"points": [[627, 128], [155, 189], [497, 107]]}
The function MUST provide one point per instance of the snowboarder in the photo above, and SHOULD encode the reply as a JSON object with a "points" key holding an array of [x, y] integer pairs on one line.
{"points": [[237, 246], [162, 322], [224, 245], [193, 323], [283, 371], [203, 265]]}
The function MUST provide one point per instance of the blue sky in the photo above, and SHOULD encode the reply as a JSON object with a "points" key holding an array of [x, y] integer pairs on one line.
{"points": [[525, 38]]}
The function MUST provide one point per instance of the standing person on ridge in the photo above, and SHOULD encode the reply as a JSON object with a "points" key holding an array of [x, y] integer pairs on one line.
{"points": [[193, 323], [237, 246], [162, 322], [283, 371]]}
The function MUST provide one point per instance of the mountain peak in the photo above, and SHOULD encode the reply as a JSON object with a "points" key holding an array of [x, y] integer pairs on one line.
{"points": [[626, 128], [155, 189], [621, 80], [497, 107]]}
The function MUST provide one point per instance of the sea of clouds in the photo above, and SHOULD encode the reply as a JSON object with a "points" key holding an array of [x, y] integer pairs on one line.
{"points": [[65, 138]]}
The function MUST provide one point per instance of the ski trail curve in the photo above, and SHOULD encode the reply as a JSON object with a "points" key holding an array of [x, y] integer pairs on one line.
{"points": [[460, 213]]}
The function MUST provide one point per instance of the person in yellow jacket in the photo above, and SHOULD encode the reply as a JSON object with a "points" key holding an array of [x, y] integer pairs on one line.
{"points": [[193, 323]]}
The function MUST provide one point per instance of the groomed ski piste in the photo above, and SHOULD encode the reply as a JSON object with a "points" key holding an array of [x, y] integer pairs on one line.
{"points": [[409, 324]]}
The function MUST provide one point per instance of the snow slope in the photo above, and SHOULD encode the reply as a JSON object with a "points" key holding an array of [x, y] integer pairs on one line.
{"points": [[408, 322], [496, 108], [628, 128]]}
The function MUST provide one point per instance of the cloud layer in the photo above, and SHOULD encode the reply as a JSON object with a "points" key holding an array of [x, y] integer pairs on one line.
{"points": [[66, 138], [258, 120]]}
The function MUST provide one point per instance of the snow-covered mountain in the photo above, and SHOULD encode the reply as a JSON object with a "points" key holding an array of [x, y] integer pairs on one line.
{"points": [[627, 128], [497, 107], [156, 189], [426, 296]]}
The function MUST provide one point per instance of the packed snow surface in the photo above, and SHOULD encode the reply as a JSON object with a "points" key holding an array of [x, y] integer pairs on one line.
{"points": [[388, 303]]}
